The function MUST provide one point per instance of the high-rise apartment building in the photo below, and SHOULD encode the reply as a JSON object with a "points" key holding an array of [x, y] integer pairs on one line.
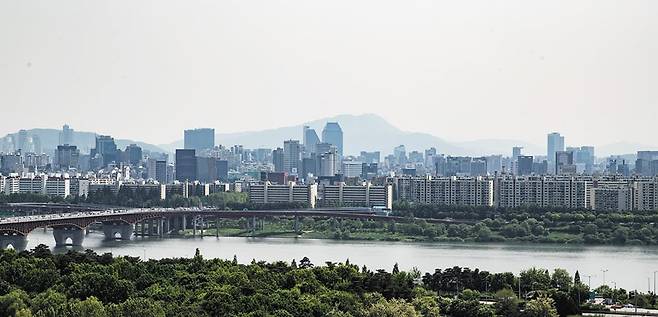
{"points": [[199, 139], [333, 134]]}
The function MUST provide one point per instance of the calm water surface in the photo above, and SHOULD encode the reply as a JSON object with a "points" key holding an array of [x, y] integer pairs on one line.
{"points": [[630, 267]]}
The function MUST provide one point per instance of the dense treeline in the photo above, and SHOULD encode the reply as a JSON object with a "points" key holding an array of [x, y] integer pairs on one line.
{"points": [[544, 225], [39, 283]]}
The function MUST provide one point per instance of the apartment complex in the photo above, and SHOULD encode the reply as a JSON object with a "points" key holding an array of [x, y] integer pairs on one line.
{"points": [[568, 192], [267, 193]]}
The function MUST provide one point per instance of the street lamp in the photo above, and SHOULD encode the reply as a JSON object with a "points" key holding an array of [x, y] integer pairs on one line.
{"points": [[589, 281], [654, 282], [606, 270]]}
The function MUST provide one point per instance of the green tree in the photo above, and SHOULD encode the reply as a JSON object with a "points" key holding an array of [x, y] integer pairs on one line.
{"points": [[392, 308], [90, 307], [540, 307]]}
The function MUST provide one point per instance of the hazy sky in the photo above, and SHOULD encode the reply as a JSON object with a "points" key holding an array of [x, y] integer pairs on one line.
{"points": [[460, 70]]}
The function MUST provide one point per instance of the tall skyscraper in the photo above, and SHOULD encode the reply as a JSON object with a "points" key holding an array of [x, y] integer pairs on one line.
{"points": [[564, 163], [310, 140], [277, 159], [516, 152], [186, 165], [332, 133], [199, 139], [67, 157], [66, 135], [106, 148], [133, 154], [555, 143], [291, 156]]}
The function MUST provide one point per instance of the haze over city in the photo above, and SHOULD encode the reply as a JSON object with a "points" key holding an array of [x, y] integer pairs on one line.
{"points": [[369, 158], [516, 70]]}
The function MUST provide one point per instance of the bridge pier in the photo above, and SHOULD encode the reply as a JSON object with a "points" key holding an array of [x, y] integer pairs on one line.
{"points": [[217, 227], [113, 228], [63, 233], [16, 241]]}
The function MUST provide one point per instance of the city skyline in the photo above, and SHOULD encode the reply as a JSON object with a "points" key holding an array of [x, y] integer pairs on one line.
{"points": [[357, 140], [233, 67]]}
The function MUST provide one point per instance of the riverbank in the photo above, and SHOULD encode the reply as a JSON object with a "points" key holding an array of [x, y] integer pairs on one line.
{"points": [[420, 231]]}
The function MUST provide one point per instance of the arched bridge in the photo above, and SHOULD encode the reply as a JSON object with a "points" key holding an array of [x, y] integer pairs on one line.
{"points": [[122, 223]]}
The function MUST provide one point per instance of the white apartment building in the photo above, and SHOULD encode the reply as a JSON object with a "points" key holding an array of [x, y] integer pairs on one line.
{"points": [[465, 191], [58, 186], [268, 193], [366, 195]]}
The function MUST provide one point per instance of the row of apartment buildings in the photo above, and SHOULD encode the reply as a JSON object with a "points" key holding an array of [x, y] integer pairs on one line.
{"points": [[604, 194], [366, 195], [75, 186]]}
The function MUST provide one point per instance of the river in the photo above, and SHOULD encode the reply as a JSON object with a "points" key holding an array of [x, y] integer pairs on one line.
{"points": [[629, 266]]}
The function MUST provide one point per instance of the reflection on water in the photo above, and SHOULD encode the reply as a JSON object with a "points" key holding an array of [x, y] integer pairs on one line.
{"points": [[628, 266]]}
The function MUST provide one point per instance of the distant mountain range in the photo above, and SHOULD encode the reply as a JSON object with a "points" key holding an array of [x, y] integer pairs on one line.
{"points": [[366, 132]]}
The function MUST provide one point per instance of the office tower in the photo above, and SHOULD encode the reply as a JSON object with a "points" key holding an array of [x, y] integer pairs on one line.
{"points": [[583, 158], [67, 157], [416, 157], [22, 141], [186, 165], [309, 166], [11, 163], [291, 156], [564, 163], [161, 171], [277, 159], [333, 134], [494, 164], [540, 168], [429, 157], [440, 165], [222, 170], [458, 165], [326, 148], [134, 154], [106, 149], [646, 163], [555, 143], [516, 152], [311, 139], [400, 154], [199, 139], [66, 135], [525, 164], [370, 157], [206, 169]]}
